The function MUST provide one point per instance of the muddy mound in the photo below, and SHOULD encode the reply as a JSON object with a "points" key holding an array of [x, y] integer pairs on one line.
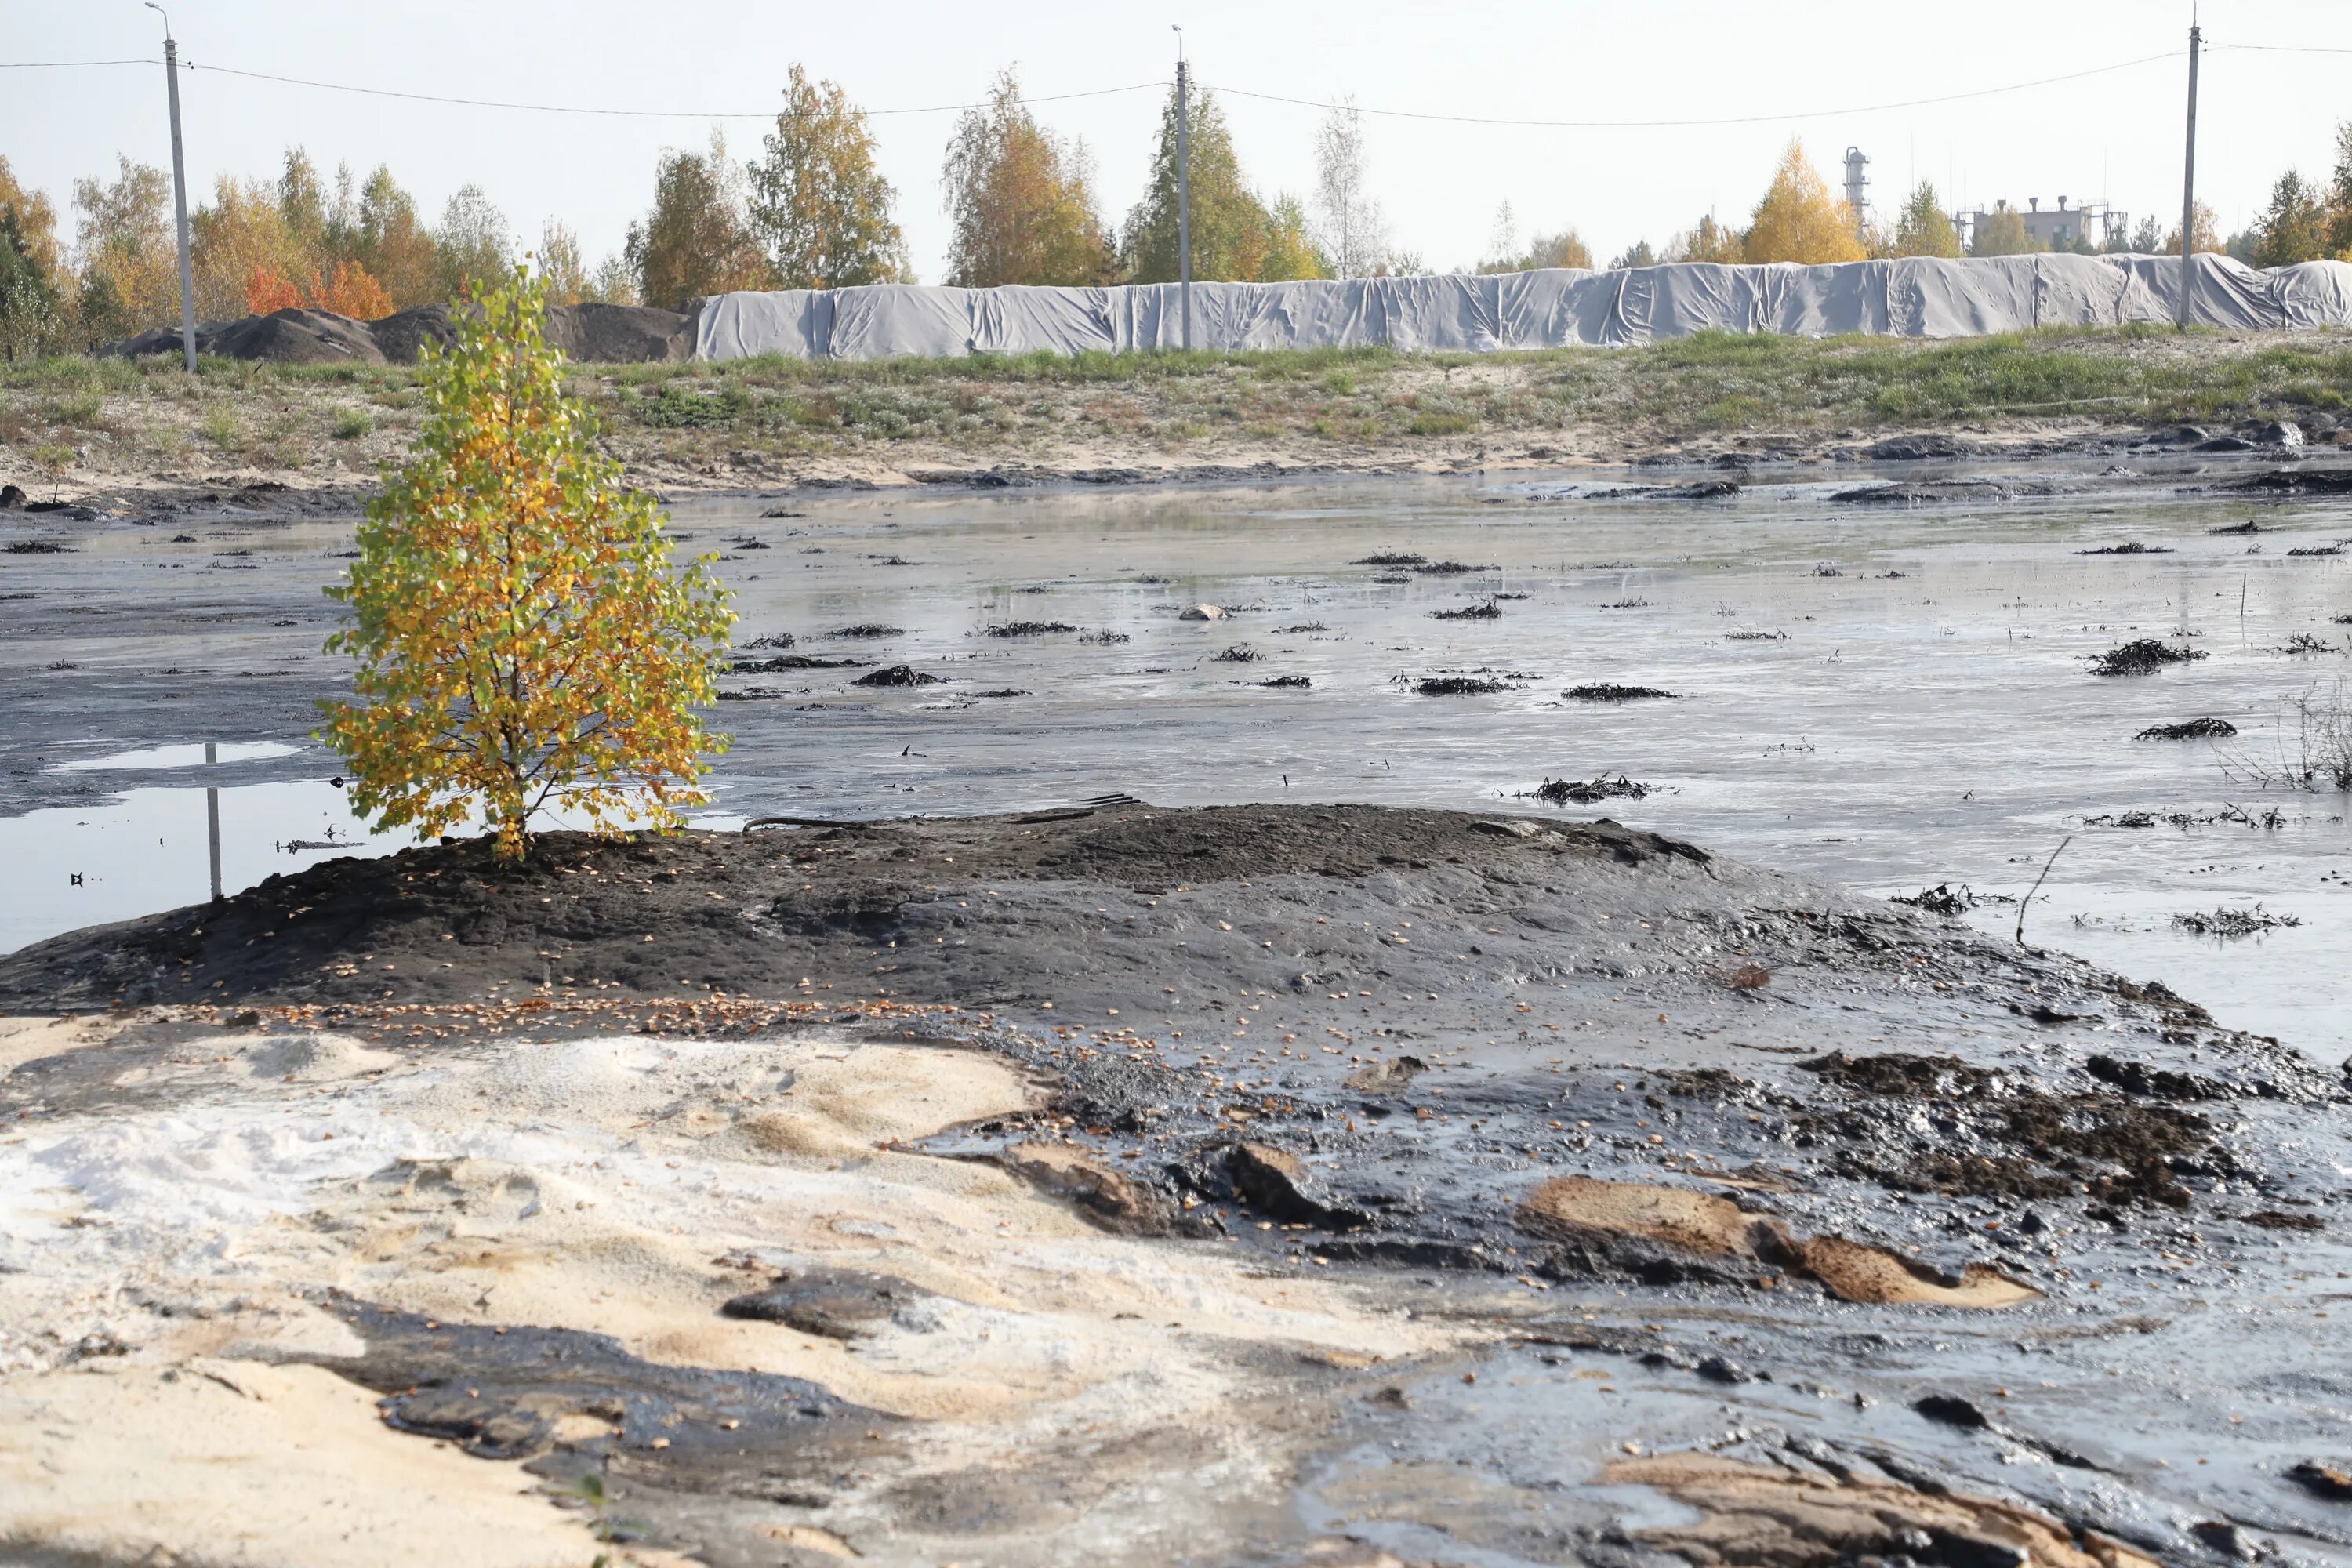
{"points": [[283, 337], [587, 333], [754, 913], [591, 333], [403, 337]]}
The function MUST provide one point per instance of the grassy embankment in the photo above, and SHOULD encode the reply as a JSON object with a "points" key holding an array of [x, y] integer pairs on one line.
{"points": [[78, 422]]}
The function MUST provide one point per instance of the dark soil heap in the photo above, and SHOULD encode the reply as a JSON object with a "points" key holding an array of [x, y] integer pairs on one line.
{"points": [[587, 333]]}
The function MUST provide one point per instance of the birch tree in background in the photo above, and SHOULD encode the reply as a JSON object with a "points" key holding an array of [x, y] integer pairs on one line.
{"points": [[1021, 199], [818, 204], [473, 242], [1354, 236], [698, 239]]}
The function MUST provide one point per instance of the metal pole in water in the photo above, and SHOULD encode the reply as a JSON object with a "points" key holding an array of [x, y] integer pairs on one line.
{"points": [[2188, 184], [179, 201], [1184, 186], [212, 818]]}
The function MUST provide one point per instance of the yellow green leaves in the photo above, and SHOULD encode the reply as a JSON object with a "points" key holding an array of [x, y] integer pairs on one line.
{"points": [[523, 639]]}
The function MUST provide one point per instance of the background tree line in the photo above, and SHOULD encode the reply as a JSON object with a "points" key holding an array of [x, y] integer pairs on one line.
{"points": [[811, 209]]}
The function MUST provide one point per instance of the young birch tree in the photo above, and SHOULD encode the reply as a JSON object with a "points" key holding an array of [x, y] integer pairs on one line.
{"points": [[1354, 237], [524, 641]]}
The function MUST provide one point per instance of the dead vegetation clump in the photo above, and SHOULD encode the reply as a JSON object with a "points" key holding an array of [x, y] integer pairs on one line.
{"points": [[1489, 611], [2145, 656], [2312, 747], [1586, 792], [1448, 568], [1391, 558], [1603, 692], [2226, 922], [1458, 686], [1943, 898], [2190, 729], [2134, 548], [1029, 628], [899, 675]]}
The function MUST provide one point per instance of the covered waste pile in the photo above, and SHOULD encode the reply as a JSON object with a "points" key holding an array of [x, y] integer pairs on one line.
{"points": [[1910, 297]]}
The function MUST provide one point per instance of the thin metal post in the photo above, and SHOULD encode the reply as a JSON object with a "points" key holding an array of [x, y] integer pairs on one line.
{"points": [[2189, 184], [1184, 189], [212, 818], [179, 201]]}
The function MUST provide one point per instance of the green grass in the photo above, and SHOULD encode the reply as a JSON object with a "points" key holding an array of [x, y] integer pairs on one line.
{"points": [[220, 424], [1713, 384]]}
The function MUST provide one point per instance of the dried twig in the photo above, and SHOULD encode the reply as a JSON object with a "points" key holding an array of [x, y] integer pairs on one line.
{"points": [[2027, 903]]}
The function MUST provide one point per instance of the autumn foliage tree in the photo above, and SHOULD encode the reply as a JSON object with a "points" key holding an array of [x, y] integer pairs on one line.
{"points": [[1798, 220], [1923, 227], [1020, 200], [1708, 240], [818, 203], [524, 643], [698, 239], [1236, 234]]}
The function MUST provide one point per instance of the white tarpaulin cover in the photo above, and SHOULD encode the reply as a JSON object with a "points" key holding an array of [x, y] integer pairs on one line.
{"points": [[1911, 296]]}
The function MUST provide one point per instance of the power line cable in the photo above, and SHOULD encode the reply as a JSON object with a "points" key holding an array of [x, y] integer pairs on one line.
{"points": [[636, 113], [558, 108], [1725, 120], [1161, 86], [2281, 48]]}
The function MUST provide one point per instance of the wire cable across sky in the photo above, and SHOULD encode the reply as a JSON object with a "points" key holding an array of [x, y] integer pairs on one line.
{"points": [[1770, 117]]}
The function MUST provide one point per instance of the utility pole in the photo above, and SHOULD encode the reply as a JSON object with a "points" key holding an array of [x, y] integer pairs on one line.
{"points": [[180, 200], [1184, 186], [212, 817], [2188, 184]]}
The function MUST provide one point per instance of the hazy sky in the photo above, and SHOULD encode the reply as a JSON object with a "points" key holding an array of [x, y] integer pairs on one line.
{"points": [[2115, 136]]}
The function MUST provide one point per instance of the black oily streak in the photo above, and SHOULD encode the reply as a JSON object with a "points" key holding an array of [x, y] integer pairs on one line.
{"points": [[671, 1465], [502, 1390]]}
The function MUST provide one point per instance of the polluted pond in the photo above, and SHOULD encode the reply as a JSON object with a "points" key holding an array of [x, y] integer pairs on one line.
{"points": [[1173, 1112]]}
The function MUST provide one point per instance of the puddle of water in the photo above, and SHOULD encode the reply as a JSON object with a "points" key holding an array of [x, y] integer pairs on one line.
{"points": [[184, 756], [149, 849]]}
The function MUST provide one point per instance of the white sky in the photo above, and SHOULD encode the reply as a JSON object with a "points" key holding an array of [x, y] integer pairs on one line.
{"points": [[2115, 136]]}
